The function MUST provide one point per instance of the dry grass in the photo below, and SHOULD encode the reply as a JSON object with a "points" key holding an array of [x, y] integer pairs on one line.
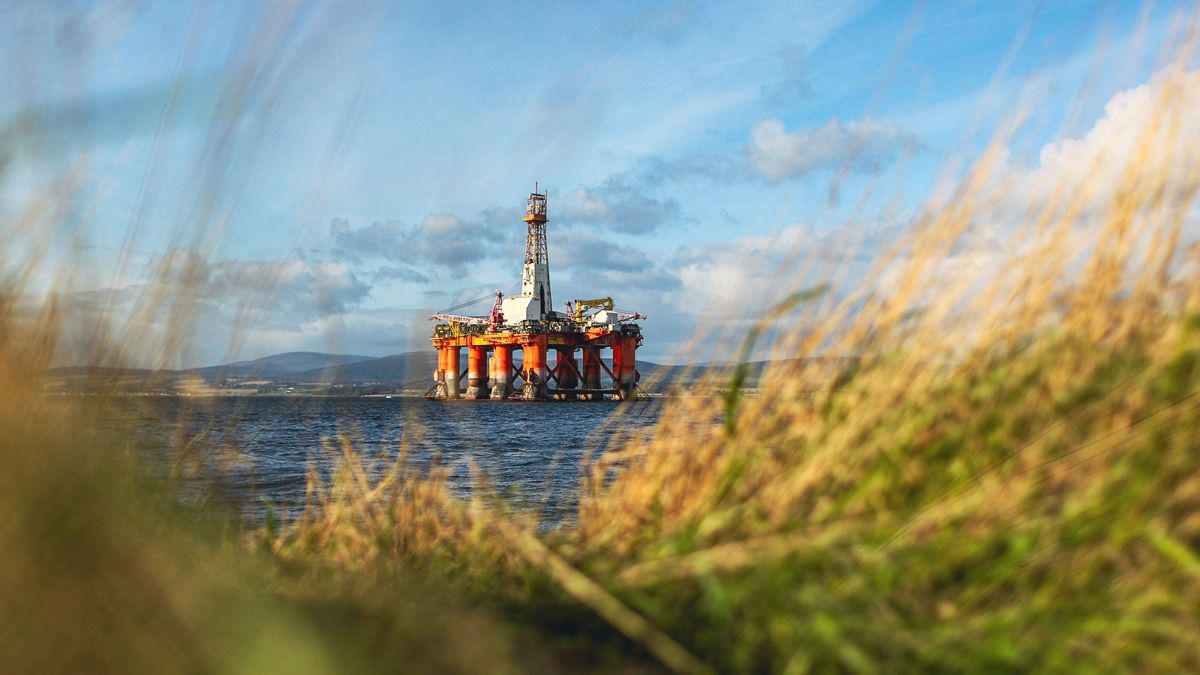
{"points": [[104, 571], [1000, 474], [1003, 477]]}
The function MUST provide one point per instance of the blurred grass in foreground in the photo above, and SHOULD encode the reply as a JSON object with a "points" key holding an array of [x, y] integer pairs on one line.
{"points": [[1002, 476], [1001, 473], [102, 571]]}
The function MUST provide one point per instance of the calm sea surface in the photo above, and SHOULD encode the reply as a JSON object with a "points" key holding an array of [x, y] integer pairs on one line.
{"points": [[252, 451]]}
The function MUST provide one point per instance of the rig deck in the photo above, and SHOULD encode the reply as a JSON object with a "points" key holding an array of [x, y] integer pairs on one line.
{"points": [[491, 373]]}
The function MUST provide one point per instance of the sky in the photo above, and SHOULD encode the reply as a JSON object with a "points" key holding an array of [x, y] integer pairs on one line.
{"points": [[322, 176]]}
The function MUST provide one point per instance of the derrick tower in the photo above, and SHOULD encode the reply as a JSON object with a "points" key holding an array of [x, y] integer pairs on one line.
{"points": [[535, 278], [534, 303]]}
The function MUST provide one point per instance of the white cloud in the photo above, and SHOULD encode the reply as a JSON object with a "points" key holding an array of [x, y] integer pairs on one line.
{"points": [[742, 277], [704, 292], [868, 145], [1148, 137], [194, 310], [581, 248], [439, 240], [1138, 163], [284, 291], [621, 204]]}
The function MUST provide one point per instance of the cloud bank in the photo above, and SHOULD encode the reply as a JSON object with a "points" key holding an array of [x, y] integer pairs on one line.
{"points": [[441, 241], [868, 146]]}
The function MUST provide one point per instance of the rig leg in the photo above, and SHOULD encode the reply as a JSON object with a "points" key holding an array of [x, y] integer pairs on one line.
{"points": [[533, 364], [567, 379], [477, 379], [439, 376], [451, 372], [625, 367], [501, 367], [591, 374]]}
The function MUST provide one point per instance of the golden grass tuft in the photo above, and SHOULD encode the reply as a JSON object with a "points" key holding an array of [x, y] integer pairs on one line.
{"points": [[996, 473], [988, 472]]}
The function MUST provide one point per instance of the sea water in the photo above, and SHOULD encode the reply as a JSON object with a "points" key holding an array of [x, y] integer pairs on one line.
{"points": [[255, 452]]}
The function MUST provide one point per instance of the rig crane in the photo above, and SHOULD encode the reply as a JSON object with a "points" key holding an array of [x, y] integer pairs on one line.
{"points": [[492, 320], [581, 307]]}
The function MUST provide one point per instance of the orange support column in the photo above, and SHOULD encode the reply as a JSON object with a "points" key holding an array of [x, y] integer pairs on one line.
{"points": [[439, 374], [533, 367], [565, 365], [501, 369], [441, 365], [477, 376], [450, 368], [591, 373], [625, 367]]}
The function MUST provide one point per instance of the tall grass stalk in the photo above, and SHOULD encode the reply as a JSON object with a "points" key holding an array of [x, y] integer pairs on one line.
{"points": [[989, 471], [997, 472]]}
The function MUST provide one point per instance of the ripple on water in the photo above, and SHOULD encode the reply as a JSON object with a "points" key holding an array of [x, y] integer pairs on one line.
{"points": [[534, 451]]}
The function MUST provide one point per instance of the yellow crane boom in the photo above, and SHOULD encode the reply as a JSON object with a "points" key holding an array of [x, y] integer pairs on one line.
{"points": [[595, 303]]}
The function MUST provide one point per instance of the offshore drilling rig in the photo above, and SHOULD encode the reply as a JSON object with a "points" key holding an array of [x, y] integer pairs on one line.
{"points": [[528, 323]]}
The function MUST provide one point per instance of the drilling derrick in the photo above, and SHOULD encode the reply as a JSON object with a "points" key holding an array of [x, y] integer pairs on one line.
{"points": [[528, 322], [534, 303], [535, 278]]}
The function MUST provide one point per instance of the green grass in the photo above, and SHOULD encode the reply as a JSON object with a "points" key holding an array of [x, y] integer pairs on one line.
{"points": [[996, 473], [995, 525], [998, 481]]}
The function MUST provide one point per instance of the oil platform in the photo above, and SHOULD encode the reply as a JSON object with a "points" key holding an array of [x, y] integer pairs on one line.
{"points": [[528, 324]]}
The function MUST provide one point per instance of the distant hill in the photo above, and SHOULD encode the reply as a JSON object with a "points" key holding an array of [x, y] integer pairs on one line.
{"points": [[290, 364], [407, 369], [659, 378], [417, 367]]}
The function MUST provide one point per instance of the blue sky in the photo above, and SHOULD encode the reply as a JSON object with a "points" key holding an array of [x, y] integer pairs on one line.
{"points": [[335, 171]]}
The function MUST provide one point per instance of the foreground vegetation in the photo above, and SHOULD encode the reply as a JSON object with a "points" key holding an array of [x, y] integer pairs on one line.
{"points": [[1005, 477], [1003, 474]]}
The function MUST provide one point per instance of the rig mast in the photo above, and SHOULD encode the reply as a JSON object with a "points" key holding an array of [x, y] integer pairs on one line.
{"points": [[535, 302], [535, 278]]}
